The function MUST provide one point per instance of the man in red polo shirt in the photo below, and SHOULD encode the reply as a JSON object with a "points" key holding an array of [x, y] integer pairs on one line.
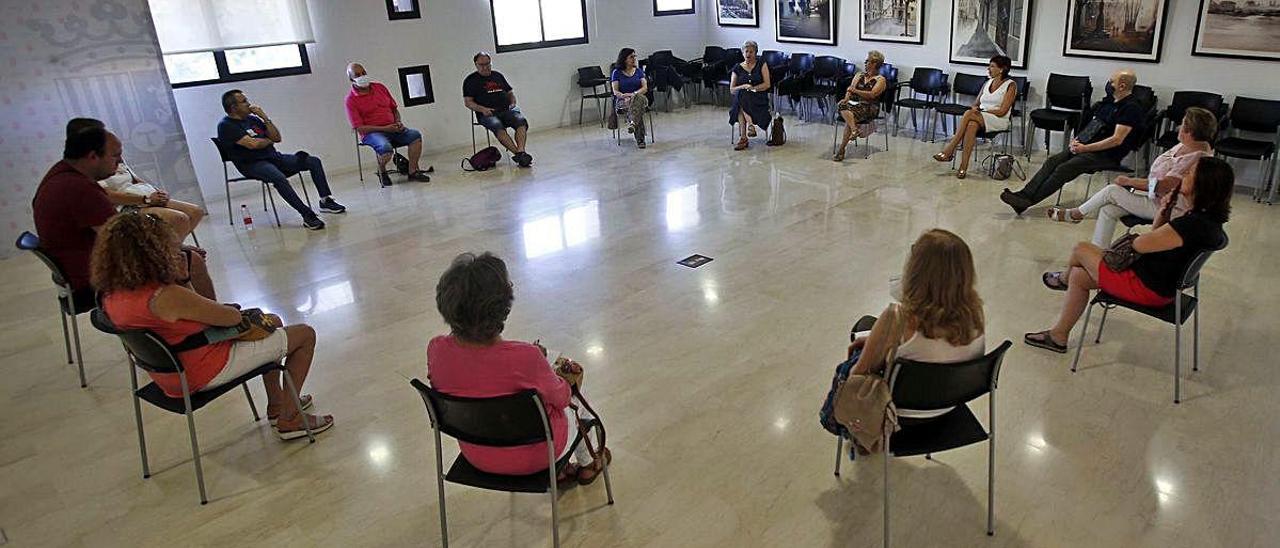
{"points": [[374, 115], [70, 206]]}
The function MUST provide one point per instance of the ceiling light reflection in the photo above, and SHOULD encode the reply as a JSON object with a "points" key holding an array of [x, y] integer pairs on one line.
{"points": [[682, 208], [571, 227]]}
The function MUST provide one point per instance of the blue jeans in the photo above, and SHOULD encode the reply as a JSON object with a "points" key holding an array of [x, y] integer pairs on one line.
{"points": [[500, 120], [277, 170], [386, 143]]}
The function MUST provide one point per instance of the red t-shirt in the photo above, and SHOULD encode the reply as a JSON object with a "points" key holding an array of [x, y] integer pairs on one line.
{"points": [[499, 370], [371, 109], [68, 204]]}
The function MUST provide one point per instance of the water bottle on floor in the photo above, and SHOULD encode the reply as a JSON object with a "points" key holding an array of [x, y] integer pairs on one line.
{"points": [[248, 219]]}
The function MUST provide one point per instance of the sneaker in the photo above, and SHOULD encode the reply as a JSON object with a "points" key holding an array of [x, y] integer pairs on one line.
{"points": [[384, 178], [631, 127], [313, 223], [639, 144], [523, 159], [329, 205]]}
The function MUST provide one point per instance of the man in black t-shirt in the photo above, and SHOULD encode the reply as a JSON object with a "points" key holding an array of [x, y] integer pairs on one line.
{"points": [[487, 92], [1114, 131]]}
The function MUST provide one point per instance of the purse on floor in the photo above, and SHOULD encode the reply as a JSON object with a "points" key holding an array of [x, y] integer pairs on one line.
{"points": [[483, 160], [1004, 166], [777, 133]]}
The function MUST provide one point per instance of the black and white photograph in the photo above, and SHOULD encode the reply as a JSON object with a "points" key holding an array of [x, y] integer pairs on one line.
{"points": [[1243, 29], [982, 29], [891, 21], [1115, 29], [738, 13], [806, 21]]}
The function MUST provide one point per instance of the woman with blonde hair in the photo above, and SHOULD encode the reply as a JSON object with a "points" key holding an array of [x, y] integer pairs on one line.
{"points": [[135, 267], [939, 319], [861, 103]]}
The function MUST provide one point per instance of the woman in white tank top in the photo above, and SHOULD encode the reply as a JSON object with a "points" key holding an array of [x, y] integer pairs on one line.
{"points": [[990, 113], [941, 313]]}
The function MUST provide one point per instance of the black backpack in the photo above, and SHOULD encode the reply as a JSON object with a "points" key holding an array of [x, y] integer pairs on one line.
{"points": [[483, 160]]}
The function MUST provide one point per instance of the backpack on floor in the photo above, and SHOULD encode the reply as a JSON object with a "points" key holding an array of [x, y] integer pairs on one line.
{"points": [[483, 160], [777, 134], [402, 163]]}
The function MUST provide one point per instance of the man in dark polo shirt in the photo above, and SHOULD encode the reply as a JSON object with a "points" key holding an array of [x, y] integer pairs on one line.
{"points": [[249, 137], [69, 206], [487, 92], [1112, 133]]}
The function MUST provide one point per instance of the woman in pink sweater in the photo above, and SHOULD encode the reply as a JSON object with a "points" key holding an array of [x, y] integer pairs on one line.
{"points": [[474, 296]]}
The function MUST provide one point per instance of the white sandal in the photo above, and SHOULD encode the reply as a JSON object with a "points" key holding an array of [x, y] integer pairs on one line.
{"points": [[1062, 215]]}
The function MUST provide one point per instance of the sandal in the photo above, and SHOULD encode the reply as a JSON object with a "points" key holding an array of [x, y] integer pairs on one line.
{"points": [[568, 476], [1062, 215], [420, 175], [596, 468], [318, 424], [838, 157], [306, 404], [960, 174], [742, 144], [751, 131], [1044, 340], [1054, 280], [944, 157]]}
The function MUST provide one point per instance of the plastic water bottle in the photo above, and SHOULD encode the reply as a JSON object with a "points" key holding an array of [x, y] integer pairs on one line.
{"points": [[248, 219]]}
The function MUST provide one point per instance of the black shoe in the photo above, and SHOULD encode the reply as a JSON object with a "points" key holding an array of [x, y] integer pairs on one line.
{"points": [[1018, 203], [384, 178], [523, 159], [313, 223], [329, 205]]}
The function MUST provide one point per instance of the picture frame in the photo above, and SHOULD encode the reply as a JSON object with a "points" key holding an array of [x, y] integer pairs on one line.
{"points": [[1131, 32], [415, 86], [982, 29], [1234, 33], [403, 9], [738, 13], [898, 21], [660, 11], [806, 21]]}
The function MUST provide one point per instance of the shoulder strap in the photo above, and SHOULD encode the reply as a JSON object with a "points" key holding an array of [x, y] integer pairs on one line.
{"points": [[895, 339]]}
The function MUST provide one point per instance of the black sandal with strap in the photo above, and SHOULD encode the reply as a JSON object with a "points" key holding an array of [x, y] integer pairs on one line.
{"points": [[1054, 280], [1044, 340]]}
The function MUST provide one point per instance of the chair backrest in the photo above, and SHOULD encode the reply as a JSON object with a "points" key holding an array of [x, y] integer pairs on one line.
{"points": [[1146, 98], [1183, 100], [732, 56], [801, 63], [774, 58], [1259, 115], [149, 351], [1024, 87], [827, 67], [928, 80], [30, 242], [503, 421], [591, 76], [712, 54], [222, 149], [1191, 275], [928, 386], [662, 58], [848, 71], [890, 74], [1068, 92], [968, 84]]}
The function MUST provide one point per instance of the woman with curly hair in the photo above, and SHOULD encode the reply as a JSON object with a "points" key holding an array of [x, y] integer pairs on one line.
{"points": [[940, 318], [135, 268], [474, 296]]}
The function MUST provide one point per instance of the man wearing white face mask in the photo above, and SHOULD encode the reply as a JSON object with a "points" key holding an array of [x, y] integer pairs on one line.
{"points": [[374, 114]]}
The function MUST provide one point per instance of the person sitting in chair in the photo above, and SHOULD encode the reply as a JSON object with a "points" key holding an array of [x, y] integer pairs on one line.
{"points": [[1114, 131], [629, 89], [249, 137], [375, 116], [990, 113], [136, 268], [749, 83], [861, 102], [1165, 252], [487, 92], [474, 296], [1199, 128]]}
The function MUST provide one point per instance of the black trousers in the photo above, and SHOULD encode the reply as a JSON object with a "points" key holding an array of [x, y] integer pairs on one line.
{"points": [[1060, 169]]}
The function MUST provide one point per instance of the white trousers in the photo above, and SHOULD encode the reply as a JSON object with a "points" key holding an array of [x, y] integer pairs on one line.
{"points": [[1113, 202]]}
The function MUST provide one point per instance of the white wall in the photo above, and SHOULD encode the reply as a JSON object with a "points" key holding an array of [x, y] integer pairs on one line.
{"points": [[1177, 70], [309, 109]]}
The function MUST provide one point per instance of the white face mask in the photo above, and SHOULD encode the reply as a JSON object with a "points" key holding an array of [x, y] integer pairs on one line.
{"points": [[363, 81]]}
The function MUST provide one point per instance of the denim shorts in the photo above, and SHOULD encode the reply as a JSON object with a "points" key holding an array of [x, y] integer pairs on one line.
{"points": [[384, 143], [503, 119]]}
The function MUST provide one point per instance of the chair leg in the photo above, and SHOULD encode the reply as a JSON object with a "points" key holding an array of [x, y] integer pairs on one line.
{"points": [[1177, 349], [555, 497], [302, 182], [226, 184], [195, 239], [887, 456], [359, 163], [581, 101], [991, 463], [839, 448], [271, 197], [137, 415], [195, 445], [75, 335], [1101, 324], [444, 520], [66, 335], [252, 407], [297, 404], [1084, 329], [1195, 338], [608, 487]]}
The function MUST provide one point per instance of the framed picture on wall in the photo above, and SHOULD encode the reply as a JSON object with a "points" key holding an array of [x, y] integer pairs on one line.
{"points": [[415, 86], [805, 21], [982, 29], [738, 13], [403, 9], [1242, 30], [891, 21], [1131, 30]]}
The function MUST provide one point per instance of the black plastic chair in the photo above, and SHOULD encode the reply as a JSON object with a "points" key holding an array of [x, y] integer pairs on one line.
{"points": [[721, 73], [1171, 119], [1183, 307], [890, 74], [931, 386], [475, 123], [593, 79], [827, 70], [505, 421], [799, 70], [1259, 116], [148, 352], [1065, 101], [1020, 108], [660, 68], [68, 305], [926, 89], [268, 191]]}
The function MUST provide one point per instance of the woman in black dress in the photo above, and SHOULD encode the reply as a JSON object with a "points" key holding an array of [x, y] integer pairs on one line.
{"points": [[749, 83]]}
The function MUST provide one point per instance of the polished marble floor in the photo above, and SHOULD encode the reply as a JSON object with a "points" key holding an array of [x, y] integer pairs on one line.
{"points": [[709, 379]]}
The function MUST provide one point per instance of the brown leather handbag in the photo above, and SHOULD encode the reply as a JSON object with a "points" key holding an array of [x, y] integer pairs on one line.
{"points": [[864, 404], [256, 325], [777, 133]]}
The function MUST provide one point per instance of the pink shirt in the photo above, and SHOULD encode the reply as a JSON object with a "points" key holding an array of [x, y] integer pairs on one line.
{"points": [[1176, 161], [371, 109], [498, 370]]}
